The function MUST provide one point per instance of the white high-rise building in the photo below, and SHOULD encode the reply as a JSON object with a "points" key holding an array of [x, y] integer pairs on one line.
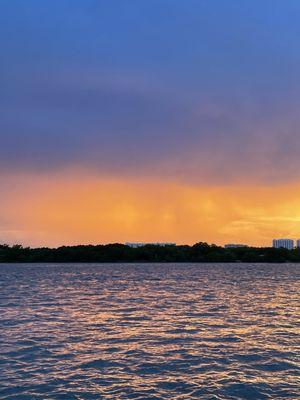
{"points": [[283, 243], [139, 244]]}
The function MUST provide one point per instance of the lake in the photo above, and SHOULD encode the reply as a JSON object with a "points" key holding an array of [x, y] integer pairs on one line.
{"points": [[149, 331]]}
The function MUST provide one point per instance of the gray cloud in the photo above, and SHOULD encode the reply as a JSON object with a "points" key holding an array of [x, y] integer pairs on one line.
{"points": [[210, 95], [123, 126]]}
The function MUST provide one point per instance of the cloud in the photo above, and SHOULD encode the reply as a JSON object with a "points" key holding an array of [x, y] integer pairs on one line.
{"points": [[207, 97], [122, 126]]}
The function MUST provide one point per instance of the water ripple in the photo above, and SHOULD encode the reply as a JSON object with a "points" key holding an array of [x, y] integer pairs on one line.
{"points": [[149, 332]]}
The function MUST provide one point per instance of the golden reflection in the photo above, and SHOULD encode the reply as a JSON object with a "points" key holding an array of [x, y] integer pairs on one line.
{"points": [[174, 329], [164, 331]]}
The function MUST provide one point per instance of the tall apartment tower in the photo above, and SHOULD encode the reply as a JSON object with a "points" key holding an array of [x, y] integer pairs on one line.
{"points": [[283, 243], [298, 244]]}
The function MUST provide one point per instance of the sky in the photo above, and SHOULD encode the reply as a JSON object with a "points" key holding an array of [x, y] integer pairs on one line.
{"points": [[161, 120]]}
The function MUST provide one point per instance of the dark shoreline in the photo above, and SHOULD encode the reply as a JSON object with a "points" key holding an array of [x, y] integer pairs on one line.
{"points": [[119, 253]]}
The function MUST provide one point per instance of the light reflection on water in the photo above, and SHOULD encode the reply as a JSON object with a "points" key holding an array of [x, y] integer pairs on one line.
{"points": [[157, 331]]}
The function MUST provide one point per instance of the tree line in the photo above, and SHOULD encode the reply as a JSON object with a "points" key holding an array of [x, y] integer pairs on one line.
{"points": [[199, 252]]}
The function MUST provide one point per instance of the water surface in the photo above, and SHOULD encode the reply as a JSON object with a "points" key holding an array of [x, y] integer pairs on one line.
{"points": [[149, 331]]}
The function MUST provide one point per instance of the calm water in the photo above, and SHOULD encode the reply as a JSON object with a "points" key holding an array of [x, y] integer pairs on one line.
{"points": [[149, 331]]}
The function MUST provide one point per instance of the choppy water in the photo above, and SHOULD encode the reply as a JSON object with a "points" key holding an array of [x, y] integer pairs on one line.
{"points": [[149, 331]]}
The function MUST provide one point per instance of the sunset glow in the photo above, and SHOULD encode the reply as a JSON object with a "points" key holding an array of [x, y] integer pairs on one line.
{"points": [[67, 209], [149, 121]]}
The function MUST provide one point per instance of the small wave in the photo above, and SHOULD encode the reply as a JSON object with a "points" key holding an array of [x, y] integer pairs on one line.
{"points": [[276, 366], [99, 364]]}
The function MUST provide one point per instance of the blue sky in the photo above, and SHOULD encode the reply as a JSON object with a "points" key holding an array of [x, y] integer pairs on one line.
{"points": [[197, 90]]}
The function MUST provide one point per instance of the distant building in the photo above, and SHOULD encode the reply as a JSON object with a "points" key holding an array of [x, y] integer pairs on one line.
{"points": [[298, 244], [283, 243], [234, 246], [136, 245]]}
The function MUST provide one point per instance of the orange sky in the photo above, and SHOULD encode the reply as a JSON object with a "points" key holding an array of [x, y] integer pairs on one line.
{"points": [[70, 208], [152, 121]]}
